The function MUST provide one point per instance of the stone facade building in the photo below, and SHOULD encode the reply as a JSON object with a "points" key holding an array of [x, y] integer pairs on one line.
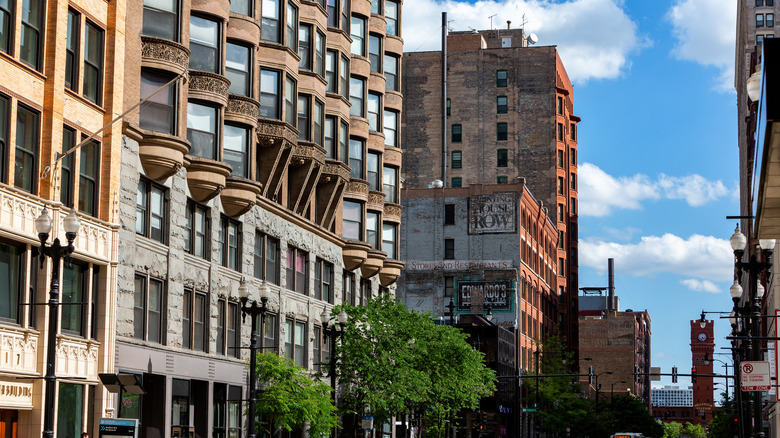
{"points": [[509, 114]]}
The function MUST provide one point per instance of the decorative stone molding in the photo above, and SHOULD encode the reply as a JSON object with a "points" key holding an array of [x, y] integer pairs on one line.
{"points": [[18, 351], [307, 151], [391, 270], [239, 195], [392, 212], [354, 254], [357, 188], [335, 169], [77, 357], [164, 54], [373, 264], [209, 86], [272, 132], [376, 200], [242, 109], [162, 155], [206, 178]]}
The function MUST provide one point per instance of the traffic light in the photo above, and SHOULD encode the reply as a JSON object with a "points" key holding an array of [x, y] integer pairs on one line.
{"points": [[484, 418], [637, 378], [591, 376], [693, 375], [674, 374]]}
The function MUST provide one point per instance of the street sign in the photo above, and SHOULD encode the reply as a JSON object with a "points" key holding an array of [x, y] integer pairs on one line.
{"points": [[755, 376], [529, 410], [118, 428], [655, 374]]}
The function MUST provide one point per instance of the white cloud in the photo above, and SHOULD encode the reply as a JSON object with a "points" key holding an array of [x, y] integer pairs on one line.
{"points": [[594, 37], [700, 257], [706, 32], [600, 192], [701, 285]]}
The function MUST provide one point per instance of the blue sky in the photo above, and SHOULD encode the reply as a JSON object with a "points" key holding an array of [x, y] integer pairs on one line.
{"points": [[653, 84]]}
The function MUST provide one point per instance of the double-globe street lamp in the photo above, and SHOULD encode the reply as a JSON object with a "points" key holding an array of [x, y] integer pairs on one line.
{"points": [[254, 310], [751, 314], [333, 331], [56, 252]]}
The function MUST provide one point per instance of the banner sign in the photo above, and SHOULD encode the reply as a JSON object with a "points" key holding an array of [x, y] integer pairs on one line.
{"points": [[496, 293], [495, 213]]}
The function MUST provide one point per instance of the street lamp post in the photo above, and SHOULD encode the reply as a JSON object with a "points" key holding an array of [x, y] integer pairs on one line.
{"points": [[598, 386], [55, 252], [751, 312], [612, 390], [253, 310], [332, 331]]}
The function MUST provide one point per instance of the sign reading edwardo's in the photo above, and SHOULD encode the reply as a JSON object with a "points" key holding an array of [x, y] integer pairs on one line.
{"points": [[496, 293], [494, 213]]}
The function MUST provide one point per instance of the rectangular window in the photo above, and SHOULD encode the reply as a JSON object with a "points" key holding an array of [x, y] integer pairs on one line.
{"points": [[304, 47], [502, 179], [151, 210], [391, 128], [236, 149], [6, 29], [374, 106], [457, 159], [365, 291], [560, 105], [561, 217], [148, 309], [770, 20], [344, 142], [456, 133], [323, 281], [194, 321], [560, 131], [457, 182], [93, 62], [501, 105], [333, 13], [27, 137], [331, 80], [70, 415], [11, 281], [304, 117], [89, 168], [205, 42], [230, 244], [573, 206], [372, 229], [501, 78], [159, 112], [352, 227], [449, 106], [72, 40], [270, 29], [561, 240], [198, 233], [221, 327], [561, 265], [290, 99], [449, 214], [573, 157], [449, 286], [297, 270], [759, 2], [32, 33], [161, 19], [560, 185], [349, 288], [372, 170], [329, 137], [75, 290], [560, 159], [502, 158], [344, 79], [358, 33], [5, 121], [295, 345], [573, 131], [67, 163], [243, 7], [319, 53], [449, 249], [356, 149], [202, 130], [270, 333], [389, 239], [292, 27], [318, 116], [502, 131], [269, 94], [357, 97], [391, 16], [573, 181], [345, 9], [233, 330], [238, 68], [759, 20], [180, 405], [391, 73], [376, 7], [375, 52], [390, 184]]}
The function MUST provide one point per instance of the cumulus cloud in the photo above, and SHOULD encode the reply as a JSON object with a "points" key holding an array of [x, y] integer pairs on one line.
{"points": [[594, 37], [705, 31], [600, 192], [700, 285], [705, 259]]}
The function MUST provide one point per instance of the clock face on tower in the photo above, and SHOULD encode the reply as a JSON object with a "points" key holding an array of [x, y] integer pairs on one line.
{"points": [[702, 337]]}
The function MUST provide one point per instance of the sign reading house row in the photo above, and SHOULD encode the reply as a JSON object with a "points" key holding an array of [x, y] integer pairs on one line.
{"points": [[456, 265], [496, 293], [494, 213]]}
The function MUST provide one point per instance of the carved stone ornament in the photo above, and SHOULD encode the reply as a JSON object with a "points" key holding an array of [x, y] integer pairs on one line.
{"points": [[161, 51], [336, 169], [209, 86], [272, 132], [392, 212], [308, 151], [244, 108], [376, 200], [357, 187]]}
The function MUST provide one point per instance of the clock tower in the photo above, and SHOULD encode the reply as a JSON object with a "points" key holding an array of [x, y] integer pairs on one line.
{"points": [[702, 346]]}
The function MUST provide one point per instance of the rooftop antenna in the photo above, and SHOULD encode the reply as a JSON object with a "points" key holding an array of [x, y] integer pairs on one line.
{"points": [[491, 21]]}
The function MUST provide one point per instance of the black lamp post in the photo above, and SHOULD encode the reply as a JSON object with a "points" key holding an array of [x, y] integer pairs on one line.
{"points": [[612, 389], [598, 385], [332, 331], [756, 268], [253, 310], [55, 252], [451, 311]]}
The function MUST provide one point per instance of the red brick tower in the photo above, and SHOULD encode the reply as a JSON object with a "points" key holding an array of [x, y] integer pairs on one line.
{"points": [[702, 346]]}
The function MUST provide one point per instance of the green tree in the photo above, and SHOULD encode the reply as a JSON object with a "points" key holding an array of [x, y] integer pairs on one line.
{"points": [[672, 429], [291, 398], [693, 431], [394, 360], [724, 424]]}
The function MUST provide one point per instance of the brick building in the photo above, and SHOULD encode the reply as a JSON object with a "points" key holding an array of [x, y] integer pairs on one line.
{"points": [[486, 249], [509, 114], [702, 352], [672, 404]]}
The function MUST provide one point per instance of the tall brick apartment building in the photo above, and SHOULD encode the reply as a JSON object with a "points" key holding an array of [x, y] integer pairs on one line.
{"points": [[268, 155], [509, 112]]}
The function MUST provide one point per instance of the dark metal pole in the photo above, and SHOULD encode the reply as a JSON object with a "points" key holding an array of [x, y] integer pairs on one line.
{"points": [[253, 311], [55, 253], [444, 98]]}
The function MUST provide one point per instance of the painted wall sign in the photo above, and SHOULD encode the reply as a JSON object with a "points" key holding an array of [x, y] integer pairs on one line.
{"points": [[496, 293], [456, 265], [494, 213]]}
